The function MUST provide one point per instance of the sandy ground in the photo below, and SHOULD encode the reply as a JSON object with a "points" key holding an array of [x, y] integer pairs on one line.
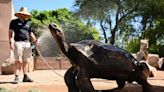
{"points": [[48, 81]]}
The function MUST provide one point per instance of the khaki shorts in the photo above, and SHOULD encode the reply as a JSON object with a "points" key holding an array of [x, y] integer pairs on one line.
{"points": [[22, 51]]}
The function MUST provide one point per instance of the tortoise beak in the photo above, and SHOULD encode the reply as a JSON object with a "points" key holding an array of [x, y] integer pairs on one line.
{"points": [[53, 27]]}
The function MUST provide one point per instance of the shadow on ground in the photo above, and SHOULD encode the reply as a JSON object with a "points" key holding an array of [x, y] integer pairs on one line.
{"points": [[133, 88], [6, 82]]}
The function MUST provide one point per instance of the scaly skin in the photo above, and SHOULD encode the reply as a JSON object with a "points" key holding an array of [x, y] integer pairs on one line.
{"points": [[93, 59]]}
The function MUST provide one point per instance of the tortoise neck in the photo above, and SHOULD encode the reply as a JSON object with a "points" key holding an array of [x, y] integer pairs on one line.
{"points": [[63, 46]]}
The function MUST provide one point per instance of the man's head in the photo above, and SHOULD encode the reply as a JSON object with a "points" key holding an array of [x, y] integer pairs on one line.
{"points": [[23, 14]]}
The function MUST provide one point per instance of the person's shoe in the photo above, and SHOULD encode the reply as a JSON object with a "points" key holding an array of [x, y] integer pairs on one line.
{"points": [[27, 79], [16, 80]]}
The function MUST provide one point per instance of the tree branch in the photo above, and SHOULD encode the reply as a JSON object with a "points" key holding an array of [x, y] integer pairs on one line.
{"points": [[104, 33], [125, 15]]}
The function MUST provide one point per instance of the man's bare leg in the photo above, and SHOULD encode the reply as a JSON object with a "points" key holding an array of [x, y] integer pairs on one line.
{"points": [[25, 71], [17, 71]]}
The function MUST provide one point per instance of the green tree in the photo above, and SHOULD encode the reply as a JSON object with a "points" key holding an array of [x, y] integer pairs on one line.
{"points": [[133, 46], [111, 14], [68, 22], [75, 28], [153, 25]]}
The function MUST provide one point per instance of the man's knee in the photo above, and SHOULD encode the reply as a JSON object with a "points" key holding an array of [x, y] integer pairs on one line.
{"points": [[17, 62], [24, 63]]}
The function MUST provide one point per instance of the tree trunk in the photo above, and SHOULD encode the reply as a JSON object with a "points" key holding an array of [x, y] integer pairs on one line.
{"points": [[112, 41], [104, 33]]}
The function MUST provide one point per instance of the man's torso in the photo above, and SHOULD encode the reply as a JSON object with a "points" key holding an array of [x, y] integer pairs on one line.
{"points": [[21, 29]]}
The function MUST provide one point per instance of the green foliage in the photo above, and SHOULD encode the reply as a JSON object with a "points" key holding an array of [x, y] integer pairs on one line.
{"points": [[4, 90], [80, 31], [133, 46], [156, 38], [75, 29], [157, 49], [127, 19], [113, 15], [33, 90], [66, 19], [7, 90], [160, 50]]}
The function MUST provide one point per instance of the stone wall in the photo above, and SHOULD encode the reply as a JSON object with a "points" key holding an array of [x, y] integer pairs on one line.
{"points": [[54, 62], [6, 14]]}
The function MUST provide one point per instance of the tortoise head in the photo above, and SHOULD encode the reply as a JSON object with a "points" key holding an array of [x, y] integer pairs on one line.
{"points": [[58, 35], [56, 32]]}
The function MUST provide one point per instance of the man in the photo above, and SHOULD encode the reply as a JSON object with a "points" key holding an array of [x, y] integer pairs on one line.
{"points": [[21, 45]]}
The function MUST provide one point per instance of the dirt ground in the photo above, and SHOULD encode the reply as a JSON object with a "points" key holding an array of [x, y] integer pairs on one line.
{"points": [[48, 81]]}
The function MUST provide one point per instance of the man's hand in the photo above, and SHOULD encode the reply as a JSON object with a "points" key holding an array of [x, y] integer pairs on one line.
{"points": [[36, 43], [12, 47]]}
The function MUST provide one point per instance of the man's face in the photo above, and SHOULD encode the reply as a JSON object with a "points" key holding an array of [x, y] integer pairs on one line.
{"points": [[22, 16]]}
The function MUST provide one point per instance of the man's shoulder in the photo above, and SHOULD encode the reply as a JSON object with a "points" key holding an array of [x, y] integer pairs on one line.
{"points": [[14, 20]]}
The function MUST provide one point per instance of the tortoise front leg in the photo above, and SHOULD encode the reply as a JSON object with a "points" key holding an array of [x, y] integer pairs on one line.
{"points": [[120, 83], [142, 80], [70, 79], [84, 82]]}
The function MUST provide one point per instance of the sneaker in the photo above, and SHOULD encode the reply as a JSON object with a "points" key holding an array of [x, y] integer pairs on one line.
{"points": [[27, 79], [16, 80]]}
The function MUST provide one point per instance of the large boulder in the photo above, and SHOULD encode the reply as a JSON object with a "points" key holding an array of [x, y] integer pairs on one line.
{"points": [[8, 66], [155, 61]]}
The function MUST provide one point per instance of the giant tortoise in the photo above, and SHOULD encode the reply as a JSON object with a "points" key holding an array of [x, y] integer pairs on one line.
{"points": [[93, 59]]}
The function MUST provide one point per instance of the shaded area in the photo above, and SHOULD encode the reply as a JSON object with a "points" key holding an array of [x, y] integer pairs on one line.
{"points": [[6, 82], [47, 81], [133, 88]]}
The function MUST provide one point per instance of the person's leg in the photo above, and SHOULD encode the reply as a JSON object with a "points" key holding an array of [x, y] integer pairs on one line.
{"points": [[26, 57], [25, 71], [18, 58], [25, 67], [17, 71], [17, 67]]}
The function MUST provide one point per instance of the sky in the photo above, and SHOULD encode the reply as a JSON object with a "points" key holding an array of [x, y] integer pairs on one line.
{"points": [[43, 4]]}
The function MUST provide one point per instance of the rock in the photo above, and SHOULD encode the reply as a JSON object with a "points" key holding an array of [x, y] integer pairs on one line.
{"points": [[153, 60], [161, 62], [8, 66]]}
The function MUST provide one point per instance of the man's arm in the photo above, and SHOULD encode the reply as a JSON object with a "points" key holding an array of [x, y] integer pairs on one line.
{"points": [[10, 35], [33, 38]]}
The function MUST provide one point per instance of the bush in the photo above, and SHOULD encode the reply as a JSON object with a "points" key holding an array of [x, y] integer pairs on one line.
{"points": [[157, 49], [133, 46], [4, 90]]}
